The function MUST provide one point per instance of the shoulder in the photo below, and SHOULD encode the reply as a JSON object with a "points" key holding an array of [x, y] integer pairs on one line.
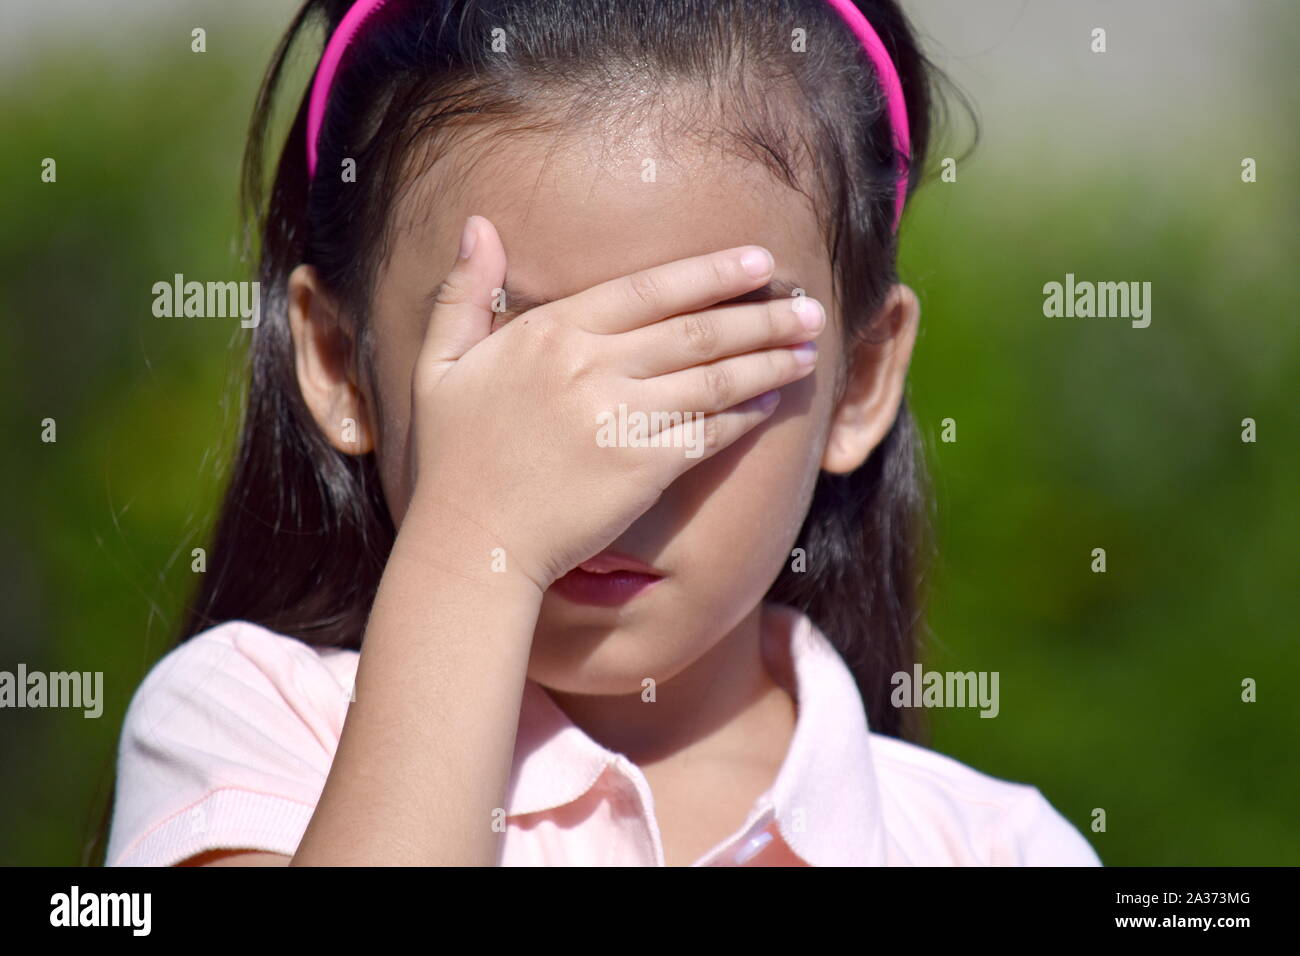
{"points": [[233, 681], [940, 811], [229, 737], [236, 658]]}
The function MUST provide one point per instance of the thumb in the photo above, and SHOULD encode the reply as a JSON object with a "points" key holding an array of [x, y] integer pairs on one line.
{"points": [[462, 311]]}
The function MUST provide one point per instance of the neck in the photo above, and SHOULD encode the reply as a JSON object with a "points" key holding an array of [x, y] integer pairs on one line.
{"points": [[722, 700]]}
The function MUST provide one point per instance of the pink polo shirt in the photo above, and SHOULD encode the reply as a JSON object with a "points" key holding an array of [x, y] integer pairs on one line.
{"points": [[227, 743]]}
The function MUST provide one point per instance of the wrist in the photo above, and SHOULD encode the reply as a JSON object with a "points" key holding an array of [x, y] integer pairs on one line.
{"points": [[439, 535]]}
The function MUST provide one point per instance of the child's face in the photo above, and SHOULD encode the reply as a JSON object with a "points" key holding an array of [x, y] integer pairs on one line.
{"points": [[573, 216]]}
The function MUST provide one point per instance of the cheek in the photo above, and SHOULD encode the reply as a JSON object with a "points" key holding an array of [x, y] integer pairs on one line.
{"points": [[742, 510]]}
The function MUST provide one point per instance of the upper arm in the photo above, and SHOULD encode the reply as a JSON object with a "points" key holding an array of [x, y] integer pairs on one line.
{"points": [[224, 751]]}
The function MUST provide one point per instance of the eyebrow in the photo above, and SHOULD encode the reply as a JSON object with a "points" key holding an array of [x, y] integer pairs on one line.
{"points": [[517, 301]]}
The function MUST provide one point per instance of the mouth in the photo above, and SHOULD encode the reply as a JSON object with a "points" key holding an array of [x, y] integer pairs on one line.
{"points": [[607, 580]]}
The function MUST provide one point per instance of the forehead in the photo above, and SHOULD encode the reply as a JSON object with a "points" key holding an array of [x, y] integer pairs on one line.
{"points": [[574, 210]]}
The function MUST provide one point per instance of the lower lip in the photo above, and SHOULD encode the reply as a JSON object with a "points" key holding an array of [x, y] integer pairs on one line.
{"points": [[603, 590]]}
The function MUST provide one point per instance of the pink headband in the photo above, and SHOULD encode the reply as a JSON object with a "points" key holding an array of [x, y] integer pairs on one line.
{"points": [[893, 88], [848, 11]]}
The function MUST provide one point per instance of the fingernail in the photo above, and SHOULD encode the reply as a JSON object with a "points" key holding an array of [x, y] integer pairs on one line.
{"points": [[468, 239], [767, 401], [757, 262], [805, 353], [810, 313]]}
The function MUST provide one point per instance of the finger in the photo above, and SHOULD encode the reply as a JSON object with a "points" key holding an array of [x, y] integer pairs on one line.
{"points": [[720, 385], [461, 315], [702, 436], [710, 334], [685, 285]]}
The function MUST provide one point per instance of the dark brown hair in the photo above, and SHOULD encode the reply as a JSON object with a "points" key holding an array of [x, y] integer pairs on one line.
{"points": [[303, 532]]}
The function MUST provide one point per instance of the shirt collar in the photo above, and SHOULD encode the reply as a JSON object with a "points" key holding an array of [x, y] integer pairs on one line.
{"points": [[825, 798]]}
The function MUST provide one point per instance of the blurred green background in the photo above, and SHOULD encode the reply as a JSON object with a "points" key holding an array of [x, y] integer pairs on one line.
{"points": [[1119, 691]]}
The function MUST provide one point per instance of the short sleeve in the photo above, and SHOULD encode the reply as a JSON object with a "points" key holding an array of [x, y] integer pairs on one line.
{"points": [[1034, 833], [226, 744]]}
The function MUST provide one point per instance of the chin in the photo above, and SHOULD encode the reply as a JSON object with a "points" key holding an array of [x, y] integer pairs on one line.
{"points": [[608, 657]]}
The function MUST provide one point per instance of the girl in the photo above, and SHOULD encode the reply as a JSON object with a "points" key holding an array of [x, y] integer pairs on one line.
{"points": [[576, 513]]}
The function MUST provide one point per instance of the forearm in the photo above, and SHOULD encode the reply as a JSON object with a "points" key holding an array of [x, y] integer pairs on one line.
{"points": [[426, 750]]}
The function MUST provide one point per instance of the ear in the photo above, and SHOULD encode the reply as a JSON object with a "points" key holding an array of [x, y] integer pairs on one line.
{"points": [[874, 387], [324, 353]]}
